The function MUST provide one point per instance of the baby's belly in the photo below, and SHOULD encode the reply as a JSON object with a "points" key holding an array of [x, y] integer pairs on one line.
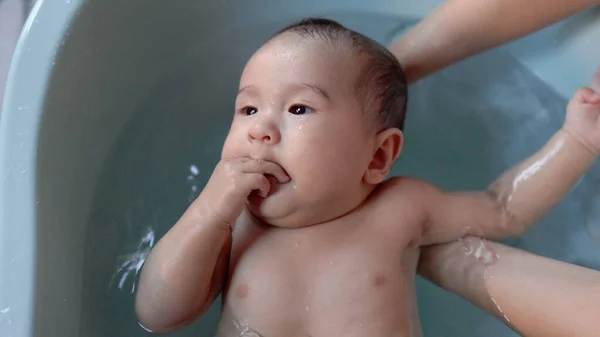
{"points": [[357, 292]]}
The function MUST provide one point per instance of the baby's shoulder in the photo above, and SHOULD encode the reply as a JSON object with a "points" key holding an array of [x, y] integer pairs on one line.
{"points": [[399, 207], [403, 189], [404, 197]]}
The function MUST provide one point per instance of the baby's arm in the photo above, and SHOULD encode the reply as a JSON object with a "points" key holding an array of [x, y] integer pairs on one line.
{"points": [[461, 28], [525, 193], [186, 270], [536, 296]]}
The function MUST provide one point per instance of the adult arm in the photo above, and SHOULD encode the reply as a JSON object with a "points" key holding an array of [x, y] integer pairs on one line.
{"points": [[534, 295], [461, 28]]}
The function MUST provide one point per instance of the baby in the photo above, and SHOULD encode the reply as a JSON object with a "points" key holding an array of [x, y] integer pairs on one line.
{"points": [[299, 226]]}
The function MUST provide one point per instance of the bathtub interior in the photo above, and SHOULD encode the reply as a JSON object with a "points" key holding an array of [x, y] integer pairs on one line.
{"points": [[138, 103]]}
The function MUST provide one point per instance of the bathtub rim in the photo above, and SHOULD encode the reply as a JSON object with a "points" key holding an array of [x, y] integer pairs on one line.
{"points": [[22, 113]]}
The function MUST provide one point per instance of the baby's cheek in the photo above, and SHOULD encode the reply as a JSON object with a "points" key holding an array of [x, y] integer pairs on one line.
{"points": [[325, 160], [233, 148], [315, 173]]}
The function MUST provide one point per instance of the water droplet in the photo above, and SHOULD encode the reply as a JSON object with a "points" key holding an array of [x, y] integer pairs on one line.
{"points": [[21, 108], [194, 169], [307, 308], [5, 310], [68, 1], [23, 171]]}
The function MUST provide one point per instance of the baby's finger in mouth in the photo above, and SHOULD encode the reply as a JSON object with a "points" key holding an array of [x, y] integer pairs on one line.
{"points": [[267, 167], [279, 174]]}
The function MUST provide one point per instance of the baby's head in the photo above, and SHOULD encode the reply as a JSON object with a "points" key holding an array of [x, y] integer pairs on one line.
{"points": [[327, 104]]}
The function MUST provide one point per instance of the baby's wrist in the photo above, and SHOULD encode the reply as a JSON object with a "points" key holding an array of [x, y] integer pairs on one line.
{"points": [[578, 142], [208, 215]]}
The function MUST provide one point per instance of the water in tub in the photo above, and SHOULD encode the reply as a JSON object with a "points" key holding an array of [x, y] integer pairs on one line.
{"points": [[465, 126]]}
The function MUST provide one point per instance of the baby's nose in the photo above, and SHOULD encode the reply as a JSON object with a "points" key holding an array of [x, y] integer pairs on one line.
{"points": [[264, 132]]}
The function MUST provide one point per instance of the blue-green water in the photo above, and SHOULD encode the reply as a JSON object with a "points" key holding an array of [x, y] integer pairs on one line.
{"points": [[465, 126]]}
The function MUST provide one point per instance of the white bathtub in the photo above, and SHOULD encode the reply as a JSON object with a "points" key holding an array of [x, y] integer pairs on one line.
{"points": [[115, 111]]}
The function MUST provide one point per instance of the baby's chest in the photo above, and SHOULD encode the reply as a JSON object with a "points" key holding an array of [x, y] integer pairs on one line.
{"points": [[281, 278], [296, 267]]}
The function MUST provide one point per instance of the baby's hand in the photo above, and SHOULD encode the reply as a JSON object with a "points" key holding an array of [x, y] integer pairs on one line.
{"points": [[583, 116], [233, 180]]}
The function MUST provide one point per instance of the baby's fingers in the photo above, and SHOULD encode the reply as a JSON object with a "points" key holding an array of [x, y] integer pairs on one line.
{"points": [[587, 95], [266, 167], [258, 182]]}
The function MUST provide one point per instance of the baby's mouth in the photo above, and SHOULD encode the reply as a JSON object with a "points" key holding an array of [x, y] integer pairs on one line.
{"points": [[279, 176], [277, 180], [272, 179], [274, 182]]}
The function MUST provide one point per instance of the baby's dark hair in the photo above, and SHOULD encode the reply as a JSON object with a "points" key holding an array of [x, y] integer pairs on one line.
{"points": [[381, 84]]}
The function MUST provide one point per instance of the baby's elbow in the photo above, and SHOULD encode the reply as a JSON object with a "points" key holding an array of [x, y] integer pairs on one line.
{"points": [[512, 225], [159, 321], [505, 222], [158, 317], [149, 318], [516, 229]]}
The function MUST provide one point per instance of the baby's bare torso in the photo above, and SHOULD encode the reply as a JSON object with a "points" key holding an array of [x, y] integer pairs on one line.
{"points": [[353, 276]]}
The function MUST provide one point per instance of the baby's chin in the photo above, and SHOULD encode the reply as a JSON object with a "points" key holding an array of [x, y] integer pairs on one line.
{"points": [[276, 211]]}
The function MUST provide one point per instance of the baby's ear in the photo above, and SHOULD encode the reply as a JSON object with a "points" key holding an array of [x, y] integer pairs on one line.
{"points": [[388, 146]]}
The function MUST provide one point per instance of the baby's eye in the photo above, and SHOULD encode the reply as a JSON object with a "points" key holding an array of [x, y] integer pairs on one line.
{"points": [[299, 109], [249, 110]]}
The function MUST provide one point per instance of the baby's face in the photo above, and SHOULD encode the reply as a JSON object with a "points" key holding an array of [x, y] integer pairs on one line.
{"points": [[296, 107]]}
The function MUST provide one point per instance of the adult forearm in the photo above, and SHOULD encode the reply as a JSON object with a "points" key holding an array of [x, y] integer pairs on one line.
{"points": [[535, 296], [461, 28]]}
